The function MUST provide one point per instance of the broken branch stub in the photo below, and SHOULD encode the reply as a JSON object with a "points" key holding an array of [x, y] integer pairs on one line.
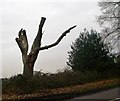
{"points": [[37, 40], [22, 41]]}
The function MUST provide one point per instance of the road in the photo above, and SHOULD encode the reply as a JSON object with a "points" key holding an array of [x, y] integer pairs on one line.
{"points": [[111, 94]]}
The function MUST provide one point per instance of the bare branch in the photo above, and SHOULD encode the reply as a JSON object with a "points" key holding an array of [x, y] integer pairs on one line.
{"points": [[109, 33], [22, 41], [59, 39], [112, 17]]}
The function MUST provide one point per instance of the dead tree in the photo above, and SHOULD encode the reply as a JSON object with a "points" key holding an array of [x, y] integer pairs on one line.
{"points": [[30, 58]]}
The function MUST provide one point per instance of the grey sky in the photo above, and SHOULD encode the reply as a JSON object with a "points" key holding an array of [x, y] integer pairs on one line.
{"points": [[17, 14]]}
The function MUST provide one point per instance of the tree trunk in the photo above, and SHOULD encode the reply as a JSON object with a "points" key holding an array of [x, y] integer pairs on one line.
{"points": [[28, 66], [29, 59], [28, 62]]}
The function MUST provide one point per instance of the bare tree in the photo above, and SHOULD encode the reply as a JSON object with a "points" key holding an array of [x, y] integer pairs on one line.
{"points": [[110, 22], [29, 59]]}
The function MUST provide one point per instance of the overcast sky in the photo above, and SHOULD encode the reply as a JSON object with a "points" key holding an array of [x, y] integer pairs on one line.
{"points": [[26, 14]]}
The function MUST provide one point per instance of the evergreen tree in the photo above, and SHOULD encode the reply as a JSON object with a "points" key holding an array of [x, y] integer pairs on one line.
{"points": [[88, 52]]}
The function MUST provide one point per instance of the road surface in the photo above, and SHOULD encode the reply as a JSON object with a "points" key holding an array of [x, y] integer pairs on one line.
{"points": [[111, 94]]}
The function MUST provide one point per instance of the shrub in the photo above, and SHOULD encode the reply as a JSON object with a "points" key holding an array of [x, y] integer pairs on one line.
{"points": [[21, 84]]}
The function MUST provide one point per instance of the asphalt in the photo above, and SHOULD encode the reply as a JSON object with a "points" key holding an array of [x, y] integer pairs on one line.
{"points": [[107, 95]]}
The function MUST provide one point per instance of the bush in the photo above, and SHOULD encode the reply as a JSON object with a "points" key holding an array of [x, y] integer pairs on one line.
{"points": [[20, 84]]}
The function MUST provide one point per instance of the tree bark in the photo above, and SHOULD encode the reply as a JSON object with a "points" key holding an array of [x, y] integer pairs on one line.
{"points": [[29, 59]]}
